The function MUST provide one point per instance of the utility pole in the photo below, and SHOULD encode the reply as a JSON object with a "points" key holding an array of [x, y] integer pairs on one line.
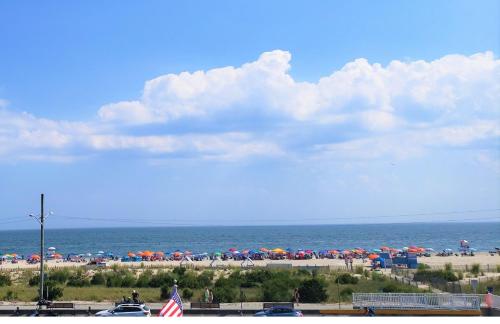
{"points": [[41, 220], [40, 301]]}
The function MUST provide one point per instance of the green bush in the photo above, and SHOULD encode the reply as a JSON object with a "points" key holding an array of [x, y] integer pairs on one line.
{"points": [[54, 291], [448, 266], [113, 279], [376, 276], [10, 295], [59, 276], [346, 293], [205, 278], [277, 290], [5, 279], [165, 292], [224, 294], [34, 281], [78, 280], [257, 276], [435, 275], [346, 278], [187, 293], [128, 280], [423, 266], [179, 271], [144, 279], [161, 278], [460, 275], [475, 269], [98, 279], [313, 291], [190, 280]]}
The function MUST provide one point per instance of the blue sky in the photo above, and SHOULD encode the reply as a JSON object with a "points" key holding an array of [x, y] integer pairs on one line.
{"points": [[195, 112]]}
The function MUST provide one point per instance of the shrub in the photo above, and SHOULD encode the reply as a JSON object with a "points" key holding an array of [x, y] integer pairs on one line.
{"points": [[224, 294], [128, 280], [10, 295], [277, 290], [346, 278], [376, 276], [59, 276], [358, 269], [54, 291], [98, 279], [435, 276], [423, 266], [187, 293], [161, 279], [78, 280], [34, 281], [5, 279], [179, 271], [205, 278], [165, 292], [498, 268], [113, 279], [460, 275], [144, 279], [190, 280], [346, 293], [448, 266], [257, 276], [313, 291], [475, 269]]}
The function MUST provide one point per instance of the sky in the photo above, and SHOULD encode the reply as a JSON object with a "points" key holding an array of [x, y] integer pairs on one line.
{"points": [[132, 113]]}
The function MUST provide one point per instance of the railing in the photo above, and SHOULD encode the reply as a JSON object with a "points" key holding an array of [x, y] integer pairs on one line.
{"points": [[496, 302], [417, 301]]}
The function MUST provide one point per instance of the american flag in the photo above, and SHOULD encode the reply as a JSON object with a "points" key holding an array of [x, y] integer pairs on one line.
{"points": [[174, 306]]}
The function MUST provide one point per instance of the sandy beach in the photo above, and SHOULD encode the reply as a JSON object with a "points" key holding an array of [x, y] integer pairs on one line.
{"points": [[484, 259]]}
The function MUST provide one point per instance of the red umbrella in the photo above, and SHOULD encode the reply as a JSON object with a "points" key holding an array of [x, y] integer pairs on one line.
{"points": [[233, 249], [372, 256]]}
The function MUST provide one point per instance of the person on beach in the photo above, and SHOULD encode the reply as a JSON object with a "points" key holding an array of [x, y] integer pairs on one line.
{"points": [[351, 261], [206, 295], [346, 261], [296, 296]]}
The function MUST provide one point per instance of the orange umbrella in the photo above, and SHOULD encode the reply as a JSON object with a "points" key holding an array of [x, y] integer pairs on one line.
{"points": [[35, 257], [147, 253], [413, 250], [130, 254], [372, 256], [57, 256], [264, 250], [333, 252], [346, 252], [159, 253]]}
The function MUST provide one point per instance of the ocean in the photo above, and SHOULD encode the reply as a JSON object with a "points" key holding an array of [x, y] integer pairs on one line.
{"points": [[482, 236]]}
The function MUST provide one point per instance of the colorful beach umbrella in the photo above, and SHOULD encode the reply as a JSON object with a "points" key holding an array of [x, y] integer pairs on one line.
{"points": [[372, 256], [131, 255], [264, 250]]}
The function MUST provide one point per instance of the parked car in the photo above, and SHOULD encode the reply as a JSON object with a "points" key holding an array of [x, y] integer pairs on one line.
{"points": [[280, 311], [126, 310]]}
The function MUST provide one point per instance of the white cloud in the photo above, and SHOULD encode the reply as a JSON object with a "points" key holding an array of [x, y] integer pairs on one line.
{"points": [[361, 111], [372, 94]]}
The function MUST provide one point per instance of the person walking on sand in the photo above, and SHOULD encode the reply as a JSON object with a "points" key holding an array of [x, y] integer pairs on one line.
{"points": [[296, 296], [351, 259], [206, 295], [346, 261]]}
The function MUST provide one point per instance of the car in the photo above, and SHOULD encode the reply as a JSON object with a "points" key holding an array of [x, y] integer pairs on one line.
{"points": [[280, 311], [126, 310]]}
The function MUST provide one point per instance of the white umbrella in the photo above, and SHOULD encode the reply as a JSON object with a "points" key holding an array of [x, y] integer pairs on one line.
{"points": [[51, 248], [100, 252]]}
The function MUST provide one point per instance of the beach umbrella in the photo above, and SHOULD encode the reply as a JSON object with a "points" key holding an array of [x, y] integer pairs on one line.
{"points": [[100, 252], [147, 254], [232, 249], [405, 248], [333, 252], [278, 250], [385, 248], [413, 250], [130, 254], [372, 256], [217, 254], [377, 250], [429, 249], [346, 252], [413, 247], [309, 251], [246, 251], [264, 250], [57, 256], [159, 253], [51, 248], [188, 253]]}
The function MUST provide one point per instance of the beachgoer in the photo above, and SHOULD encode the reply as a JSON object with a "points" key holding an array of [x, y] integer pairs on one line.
{"points": [[135, 296], [351, 261], [346, 261], [210, 296], [296, 296], [206, 295]]}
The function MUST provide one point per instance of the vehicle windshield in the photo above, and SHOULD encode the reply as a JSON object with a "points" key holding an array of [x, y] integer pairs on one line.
{"points": [[146, 308]]}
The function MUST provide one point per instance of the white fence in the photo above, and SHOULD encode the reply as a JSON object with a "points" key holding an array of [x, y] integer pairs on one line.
{"points": [[417, 301]]}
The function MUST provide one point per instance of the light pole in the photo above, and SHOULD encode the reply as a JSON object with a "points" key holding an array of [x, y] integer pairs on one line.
{"points": [[41, 220]]}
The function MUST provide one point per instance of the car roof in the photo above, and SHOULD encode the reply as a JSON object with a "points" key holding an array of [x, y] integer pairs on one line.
{"points": [[129, 304]]}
